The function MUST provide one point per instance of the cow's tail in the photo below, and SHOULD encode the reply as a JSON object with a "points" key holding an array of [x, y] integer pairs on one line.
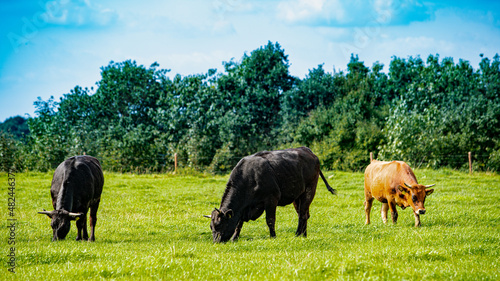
{"points": [[333, 191]]}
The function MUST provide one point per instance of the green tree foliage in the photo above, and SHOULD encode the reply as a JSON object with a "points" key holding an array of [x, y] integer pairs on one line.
{"points": [[11, 157], [318, 89], [344, 132], [252, 91], [16, 126], [114, 123], [447, 110], [48, 141], [424, 112], [13, 134]]}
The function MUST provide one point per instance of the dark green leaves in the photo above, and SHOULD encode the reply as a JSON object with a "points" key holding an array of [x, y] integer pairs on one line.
{"points": [[137, 118]]}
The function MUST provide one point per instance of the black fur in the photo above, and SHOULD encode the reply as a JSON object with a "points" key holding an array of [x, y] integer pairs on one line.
{"points": [[263, 181], [76, 186]]}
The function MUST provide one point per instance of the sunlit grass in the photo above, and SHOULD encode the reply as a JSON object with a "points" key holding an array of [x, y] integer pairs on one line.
{"points": [[151, 227]]}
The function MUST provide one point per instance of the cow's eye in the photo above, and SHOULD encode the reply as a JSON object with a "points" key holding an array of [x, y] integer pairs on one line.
{"points": [[414, 198]]}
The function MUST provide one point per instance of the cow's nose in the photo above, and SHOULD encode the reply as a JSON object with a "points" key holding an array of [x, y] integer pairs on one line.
{"points": [[421, 211]]}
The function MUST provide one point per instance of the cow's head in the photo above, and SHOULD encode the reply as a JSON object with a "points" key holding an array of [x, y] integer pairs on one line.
{"points": [[223, 225], [415, 196], [61, 222]]}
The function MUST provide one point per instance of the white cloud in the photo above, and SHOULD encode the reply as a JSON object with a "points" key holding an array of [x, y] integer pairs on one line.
{"points": [[311, 11], [352, 13], [190, 37], [384, 10], [423, 45], [77, 13], [183, 62], [224, 8], [182, 20]]}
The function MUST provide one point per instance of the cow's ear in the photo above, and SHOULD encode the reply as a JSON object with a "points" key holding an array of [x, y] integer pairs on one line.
{"points": [[216, 213], [429, 192], [403, 189], [229, 214]]}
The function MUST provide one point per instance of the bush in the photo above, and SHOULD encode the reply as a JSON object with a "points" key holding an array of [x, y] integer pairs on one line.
{"points": [[10, 153], [494, 160]]}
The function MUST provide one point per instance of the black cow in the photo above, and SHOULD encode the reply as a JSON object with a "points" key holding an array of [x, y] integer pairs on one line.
{"points": [[76, 187], [263, 181]]}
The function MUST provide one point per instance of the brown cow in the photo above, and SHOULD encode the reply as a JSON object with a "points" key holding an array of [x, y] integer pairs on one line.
{"points": [[394, 183]]}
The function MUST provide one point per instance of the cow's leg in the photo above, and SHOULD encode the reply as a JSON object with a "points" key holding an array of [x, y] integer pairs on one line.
{"points": [[93, 221], [417, 219], [81, 225], [302, 208], [237, 231], [383, 211], [368, 207], [394, 212], [271, 219]]}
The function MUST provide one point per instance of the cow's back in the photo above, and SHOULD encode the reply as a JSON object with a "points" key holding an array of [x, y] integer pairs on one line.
{"points": [[283, 174], [77, 182], [294, 170], [95, 171], [385, 175]]}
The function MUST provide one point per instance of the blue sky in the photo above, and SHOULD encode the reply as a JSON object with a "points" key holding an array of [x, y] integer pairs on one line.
{"points": [[49, 47]]}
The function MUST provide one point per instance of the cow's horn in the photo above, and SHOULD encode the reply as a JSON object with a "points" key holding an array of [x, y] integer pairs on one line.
{"points": [[74, 214], [44, 212], [217, 210], [407, 185], [207, 216], [431, 185]]}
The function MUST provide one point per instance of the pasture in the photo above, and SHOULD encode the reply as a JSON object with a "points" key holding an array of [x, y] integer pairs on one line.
{"points": [[150, 227]]}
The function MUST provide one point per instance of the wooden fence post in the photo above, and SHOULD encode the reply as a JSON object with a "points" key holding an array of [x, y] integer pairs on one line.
{"points": [[470, 163], [175, 163], [371, 157]]}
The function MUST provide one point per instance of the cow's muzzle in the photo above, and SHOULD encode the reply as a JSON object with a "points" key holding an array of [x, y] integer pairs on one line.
{"points": [[421, 211]]}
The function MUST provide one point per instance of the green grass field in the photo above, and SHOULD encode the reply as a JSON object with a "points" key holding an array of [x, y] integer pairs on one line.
{"points": [[150, 227]]}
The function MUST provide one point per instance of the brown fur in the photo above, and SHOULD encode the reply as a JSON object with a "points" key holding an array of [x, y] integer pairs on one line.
{"points": [[388, 183]]}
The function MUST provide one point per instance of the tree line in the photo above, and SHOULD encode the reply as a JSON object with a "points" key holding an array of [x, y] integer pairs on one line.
{"points": [[136, 118]]}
